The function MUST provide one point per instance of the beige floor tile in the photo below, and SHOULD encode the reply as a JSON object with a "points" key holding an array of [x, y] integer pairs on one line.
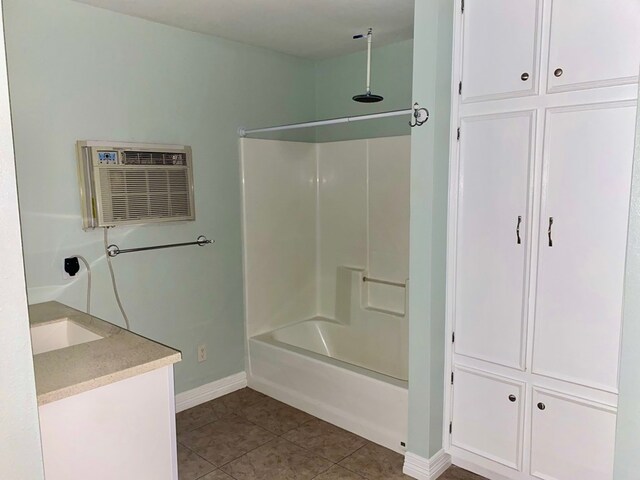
{"points": [[216, 475], [324, 439], [275, 416], [216, 409], [234, 402], [195, 417], [375, 463], [279, 459], [457, 473], [338, 473], [190, 465], [226, 439]]}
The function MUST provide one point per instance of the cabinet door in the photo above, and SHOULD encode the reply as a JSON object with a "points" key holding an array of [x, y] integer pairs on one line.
{"points": [[499, 53], [588, 157], [488, 416], [571, 438], [492, 237], [594, 43]]}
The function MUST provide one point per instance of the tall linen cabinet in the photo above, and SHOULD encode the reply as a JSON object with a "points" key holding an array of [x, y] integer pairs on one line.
{"points": [[541, 158]]}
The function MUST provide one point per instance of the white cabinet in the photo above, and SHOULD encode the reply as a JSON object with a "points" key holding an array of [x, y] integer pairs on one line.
{"points": [[571, 438], [124, 430], [499, 60], [488, 412], [588, 43], [587, 161], [495, 158], [593, 43], [538, 309]]}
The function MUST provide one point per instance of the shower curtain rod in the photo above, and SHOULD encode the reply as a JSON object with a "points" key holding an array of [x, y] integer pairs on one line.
{"points": [[243, 132]]}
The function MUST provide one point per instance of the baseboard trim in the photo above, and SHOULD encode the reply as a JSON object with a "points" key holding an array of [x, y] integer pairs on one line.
{"points": [[426, 468], [209, 391]]}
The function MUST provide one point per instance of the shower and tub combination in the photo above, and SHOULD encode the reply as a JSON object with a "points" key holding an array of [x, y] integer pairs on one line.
{"points": [[326, 247]]}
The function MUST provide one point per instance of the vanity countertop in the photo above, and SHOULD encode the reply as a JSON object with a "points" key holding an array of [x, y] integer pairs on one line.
{"points": [[68, 371]]}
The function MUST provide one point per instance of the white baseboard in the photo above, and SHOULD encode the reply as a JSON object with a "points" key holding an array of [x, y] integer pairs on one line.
{"points": [[426, 468], [209, 391]]}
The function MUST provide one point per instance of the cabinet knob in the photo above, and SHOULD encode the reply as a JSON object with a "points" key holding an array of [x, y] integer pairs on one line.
{"points": [[541, 406], [558, 72], [524, 77], [512, 398]]}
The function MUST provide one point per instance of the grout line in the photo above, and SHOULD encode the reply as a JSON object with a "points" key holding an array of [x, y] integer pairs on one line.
{"points": [[324, 471], [245, 453], [277, 436], [354, 452], [202, 458]]}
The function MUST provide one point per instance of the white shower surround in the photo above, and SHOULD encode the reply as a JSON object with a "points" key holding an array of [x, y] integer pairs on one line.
{"points": [[317, 218]]}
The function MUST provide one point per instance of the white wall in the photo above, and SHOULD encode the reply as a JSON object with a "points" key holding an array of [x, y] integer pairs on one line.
{"points": [[279, 196], [310, 209], [20, 452]]}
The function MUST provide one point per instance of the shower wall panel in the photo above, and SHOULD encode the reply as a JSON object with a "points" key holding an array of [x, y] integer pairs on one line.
{"points": [[364, 217], [312, 208], [279, 227], [342, 207], [388, 252]]}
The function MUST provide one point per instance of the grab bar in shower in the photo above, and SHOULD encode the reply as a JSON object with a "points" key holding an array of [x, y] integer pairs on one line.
{"points": [[384, 282]]}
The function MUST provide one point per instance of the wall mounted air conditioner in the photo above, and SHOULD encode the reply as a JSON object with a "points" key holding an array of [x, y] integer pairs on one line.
{"points": [[134, 183]]}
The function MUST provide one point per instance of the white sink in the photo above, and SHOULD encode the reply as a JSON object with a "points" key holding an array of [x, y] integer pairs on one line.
{"points": [[57, 335]]}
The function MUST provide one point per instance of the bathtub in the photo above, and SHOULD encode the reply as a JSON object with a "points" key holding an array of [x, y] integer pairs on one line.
{"points": [[374, 348], [352, 372]]}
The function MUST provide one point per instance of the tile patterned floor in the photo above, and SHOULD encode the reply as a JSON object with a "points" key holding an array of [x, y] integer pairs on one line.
{"points": [[248, 436]]}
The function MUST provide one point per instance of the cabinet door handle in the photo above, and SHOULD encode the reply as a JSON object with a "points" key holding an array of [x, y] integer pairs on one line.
{"points": [[558, 72], [541, 406], [549, 231], [512, 398], [518, 230]]}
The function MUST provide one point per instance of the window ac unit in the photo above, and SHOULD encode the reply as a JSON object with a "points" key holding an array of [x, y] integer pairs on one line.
{"points": [[134, 183]]}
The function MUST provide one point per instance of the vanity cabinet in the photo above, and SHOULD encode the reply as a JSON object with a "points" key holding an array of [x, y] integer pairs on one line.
{"points": [[105, 398], [124, 430], [540, 182]]}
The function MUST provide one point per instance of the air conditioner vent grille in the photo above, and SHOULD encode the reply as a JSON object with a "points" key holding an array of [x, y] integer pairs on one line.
{"points": [[153, 158], [144, 194]]}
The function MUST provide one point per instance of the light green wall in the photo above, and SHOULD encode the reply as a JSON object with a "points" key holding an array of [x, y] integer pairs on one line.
{"points": [[429, 185], [627, 460], [20, 451], [340, 78], [78, 72]]}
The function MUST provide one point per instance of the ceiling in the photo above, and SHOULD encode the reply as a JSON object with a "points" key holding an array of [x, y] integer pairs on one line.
{"points": [[305, 28]]}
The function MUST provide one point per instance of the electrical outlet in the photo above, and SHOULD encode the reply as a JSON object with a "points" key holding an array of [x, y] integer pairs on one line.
{"points": [[202, 353], [70, 264]]}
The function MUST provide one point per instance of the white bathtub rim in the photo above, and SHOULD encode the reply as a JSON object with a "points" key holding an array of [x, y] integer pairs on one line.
{"points": [[335, 362]]}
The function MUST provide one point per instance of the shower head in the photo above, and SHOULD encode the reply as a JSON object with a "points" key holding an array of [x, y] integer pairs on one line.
{"points": [[367, 97]]}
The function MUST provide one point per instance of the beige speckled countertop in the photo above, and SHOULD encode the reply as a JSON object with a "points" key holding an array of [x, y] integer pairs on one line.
{"points": [[78, 368]]}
